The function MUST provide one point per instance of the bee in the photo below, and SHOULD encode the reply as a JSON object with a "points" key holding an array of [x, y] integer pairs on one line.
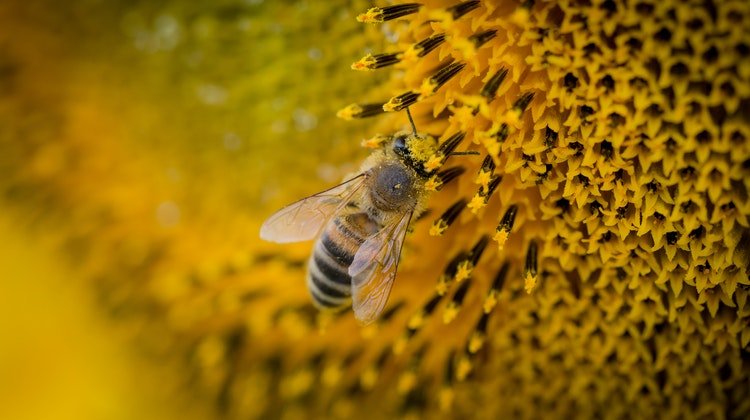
{"points": [[359, 226]]}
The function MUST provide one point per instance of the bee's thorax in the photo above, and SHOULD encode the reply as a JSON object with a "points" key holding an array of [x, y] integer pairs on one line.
{"points": [[392, 187]]}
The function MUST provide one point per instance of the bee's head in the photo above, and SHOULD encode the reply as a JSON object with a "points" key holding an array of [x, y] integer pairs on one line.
{"points": [[414, 150]]}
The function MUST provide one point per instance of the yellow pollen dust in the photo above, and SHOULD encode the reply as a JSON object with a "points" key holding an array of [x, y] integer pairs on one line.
{"points": [[442, 285], [438, 228], [406, 382], [450, 312], [477, 202], [434, 162], [446, 397], [500, 237], [427, 88], [349, 112], [416, 321], [369, 378], [375, 141], [400, 345], [490, 302], [463, 271], [433, 184], [529, 282], [476, 342], [483, 178], [412, 53], [365, 63], [463, 369], [372, 15], [391, 105]]}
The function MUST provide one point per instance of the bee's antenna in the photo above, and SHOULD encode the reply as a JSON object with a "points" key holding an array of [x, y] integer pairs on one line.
{"points": [[411, 120]]}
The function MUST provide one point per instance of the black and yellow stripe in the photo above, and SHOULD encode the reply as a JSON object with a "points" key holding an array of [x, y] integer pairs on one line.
{"points": [[328, 277]]}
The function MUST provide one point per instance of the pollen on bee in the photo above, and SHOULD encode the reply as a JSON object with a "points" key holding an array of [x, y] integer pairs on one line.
{"points": [[383, 14]]}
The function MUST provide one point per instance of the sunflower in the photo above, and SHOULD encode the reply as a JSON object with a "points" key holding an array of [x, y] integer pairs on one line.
{"points": [[592, 260]]}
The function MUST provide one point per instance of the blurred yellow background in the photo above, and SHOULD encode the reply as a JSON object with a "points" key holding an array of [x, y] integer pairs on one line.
{"points": [[142, 144]]}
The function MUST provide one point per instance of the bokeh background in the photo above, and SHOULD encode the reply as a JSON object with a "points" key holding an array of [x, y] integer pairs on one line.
{"points": [[142, 143]]}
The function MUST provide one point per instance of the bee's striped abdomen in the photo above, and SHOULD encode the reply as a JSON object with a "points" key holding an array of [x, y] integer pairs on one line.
{"points": [[328, 274]]}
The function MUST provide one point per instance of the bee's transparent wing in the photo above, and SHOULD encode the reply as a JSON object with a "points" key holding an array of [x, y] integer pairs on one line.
{"points": [[374, 269], [303, 220]]}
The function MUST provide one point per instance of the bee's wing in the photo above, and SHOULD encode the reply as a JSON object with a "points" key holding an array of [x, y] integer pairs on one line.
{"points": [[374, 269], [303, 220]]}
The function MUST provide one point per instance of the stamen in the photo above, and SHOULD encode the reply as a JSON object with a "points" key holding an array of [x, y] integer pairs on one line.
{"points": [[376, 141], [482, 37], [360, 111], [445, 149], [377, 61], [447, 395], [489, 90], [485, 174], [497, 286], [502, 133], [478, 337], [450, 144], [441, 77], [369, 376], [397, 103], [383, 14], [450, 272], [523, 102], [454, 306], [438, 181], [505, 226], [463, 8], [482, 197], [449, 216], [530, 276], [424, 47]]}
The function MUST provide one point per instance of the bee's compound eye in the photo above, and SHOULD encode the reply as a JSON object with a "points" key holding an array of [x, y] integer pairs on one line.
{"points": [[399, 145]]}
